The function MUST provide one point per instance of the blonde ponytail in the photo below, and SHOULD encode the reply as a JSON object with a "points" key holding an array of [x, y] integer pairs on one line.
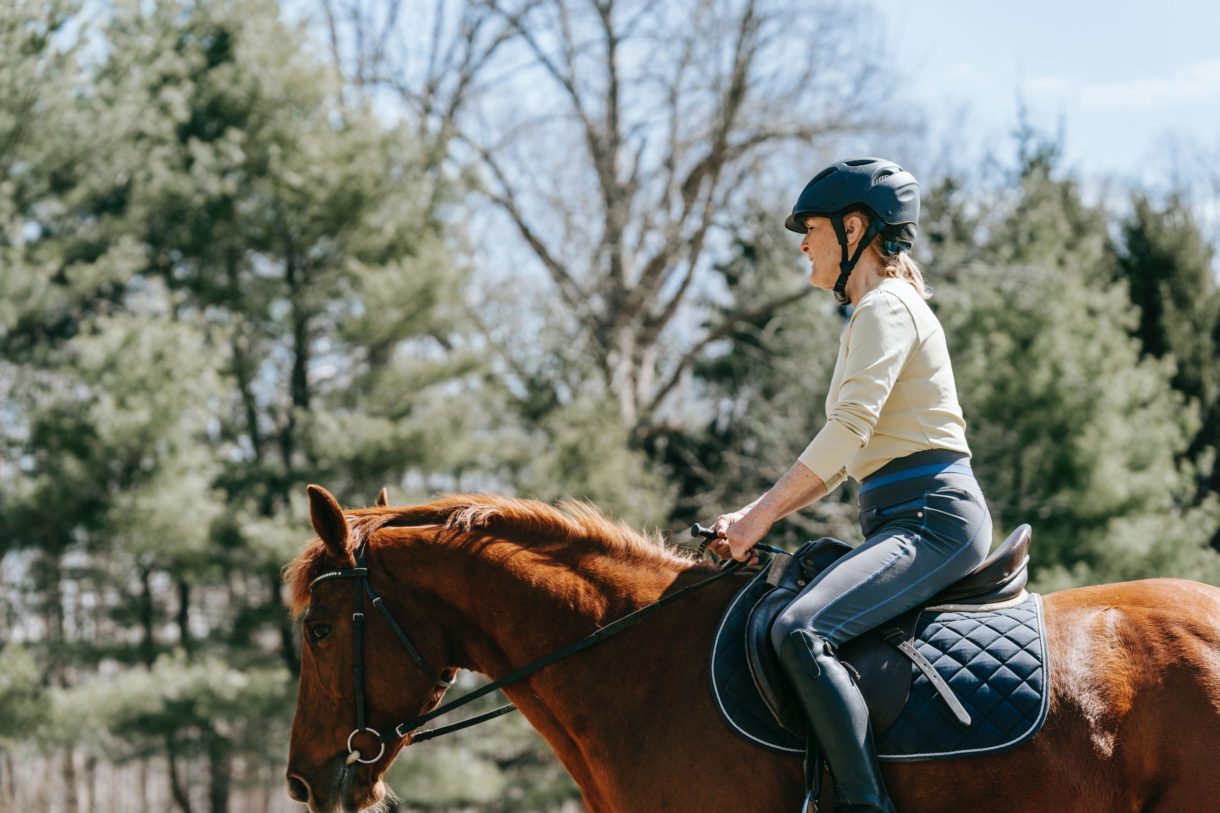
{"points": [[901, 266]]}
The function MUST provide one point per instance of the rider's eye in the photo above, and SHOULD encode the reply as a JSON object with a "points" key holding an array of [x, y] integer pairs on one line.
{"points": [[319, 631]]}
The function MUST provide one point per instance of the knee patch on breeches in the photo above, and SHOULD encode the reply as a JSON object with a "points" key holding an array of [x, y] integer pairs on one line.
{"points": [[806, 646], [787, 623]]}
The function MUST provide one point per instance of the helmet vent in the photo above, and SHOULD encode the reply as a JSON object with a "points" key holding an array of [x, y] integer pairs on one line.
{"points": [[859, 162], [881, 176], [821, 175]]}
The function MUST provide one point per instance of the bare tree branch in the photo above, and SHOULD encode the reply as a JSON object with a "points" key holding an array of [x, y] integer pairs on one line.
{"points": [[674, 109], [724, 329], [707, 170], [506, 200]]}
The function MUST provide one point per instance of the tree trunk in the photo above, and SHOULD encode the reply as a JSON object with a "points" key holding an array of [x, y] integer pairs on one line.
{"points": [[90, 796], [220, 762], [71, 791], [177, 789], [148, 646], [142, 774], [8, 782], [184, 616]]}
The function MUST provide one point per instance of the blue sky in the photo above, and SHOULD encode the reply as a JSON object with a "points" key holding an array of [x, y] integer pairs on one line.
{"points": [[1122, 77]]}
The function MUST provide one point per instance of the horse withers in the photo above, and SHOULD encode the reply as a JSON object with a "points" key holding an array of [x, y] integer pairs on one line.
{"points": [[490, 583]]}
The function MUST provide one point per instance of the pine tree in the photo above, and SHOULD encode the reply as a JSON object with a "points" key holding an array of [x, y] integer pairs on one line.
{"points": [[229, 286], [1167, 266], [1072, 431]]}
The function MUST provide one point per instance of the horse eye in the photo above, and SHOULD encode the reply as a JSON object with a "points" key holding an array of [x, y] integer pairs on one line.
{"points": [[319, 631]]}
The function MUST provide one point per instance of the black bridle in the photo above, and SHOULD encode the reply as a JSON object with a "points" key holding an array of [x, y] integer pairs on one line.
{"points": [[360, 574]]}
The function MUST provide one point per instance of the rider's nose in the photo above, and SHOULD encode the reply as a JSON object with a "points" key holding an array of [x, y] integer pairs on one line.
{"points": [[298, 788]]}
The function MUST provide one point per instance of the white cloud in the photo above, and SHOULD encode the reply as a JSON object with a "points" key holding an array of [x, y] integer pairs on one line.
{"points": [[1195, 84]]}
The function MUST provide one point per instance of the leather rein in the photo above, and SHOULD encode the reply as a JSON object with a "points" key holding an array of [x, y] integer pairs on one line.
{"points": [[360, 574]]}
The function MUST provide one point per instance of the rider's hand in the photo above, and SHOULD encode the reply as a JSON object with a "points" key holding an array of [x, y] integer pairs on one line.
{"points": [[737, 533], [720, 545]]}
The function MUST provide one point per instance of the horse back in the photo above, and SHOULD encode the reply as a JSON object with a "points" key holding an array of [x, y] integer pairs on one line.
{"points": [[1135, 673], [1115, 645]]}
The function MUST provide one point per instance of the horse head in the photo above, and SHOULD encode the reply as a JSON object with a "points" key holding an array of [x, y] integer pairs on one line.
{"points": [[358, 677]]}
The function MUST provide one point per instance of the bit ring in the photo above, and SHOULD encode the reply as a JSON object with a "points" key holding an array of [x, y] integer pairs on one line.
{"points": [[352, 751]]}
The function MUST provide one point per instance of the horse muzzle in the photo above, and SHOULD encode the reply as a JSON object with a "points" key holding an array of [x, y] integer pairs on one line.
{"points": [[346, 788]]}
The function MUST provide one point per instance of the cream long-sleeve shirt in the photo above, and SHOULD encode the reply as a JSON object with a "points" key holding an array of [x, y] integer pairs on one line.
{"points": [[892, 392]]}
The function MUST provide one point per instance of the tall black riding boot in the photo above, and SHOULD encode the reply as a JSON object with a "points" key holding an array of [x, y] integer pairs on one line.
{"points": [[839, 718]]}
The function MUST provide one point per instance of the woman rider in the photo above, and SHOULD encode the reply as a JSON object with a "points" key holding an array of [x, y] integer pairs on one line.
{"points": [[893, 423]]}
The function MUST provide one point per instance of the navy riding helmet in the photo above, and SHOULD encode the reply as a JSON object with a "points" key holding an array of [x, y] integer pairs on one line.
{"points": [[886, 192]]}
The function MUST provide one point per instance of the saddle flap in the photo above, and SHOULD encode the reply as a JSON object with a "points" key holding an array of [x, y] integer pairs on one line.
{"points": [[883, 673], [764, 664], [787, 576]]}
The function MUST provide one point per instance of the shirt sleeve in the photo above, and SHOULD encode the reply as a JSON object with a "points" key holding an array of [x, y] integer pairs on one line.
{"points": [[835, 480], [881, 338]]}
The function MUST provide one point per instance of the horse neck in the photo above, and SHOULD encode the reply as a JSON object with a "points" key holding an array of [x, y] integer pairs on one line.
{"points": [[512, 605], [515, 603]]}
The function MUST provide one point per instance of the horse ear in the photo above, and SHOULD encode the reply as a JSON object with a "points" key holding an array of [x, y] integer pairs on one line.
{"points": [[328, 520], [383, 498]]}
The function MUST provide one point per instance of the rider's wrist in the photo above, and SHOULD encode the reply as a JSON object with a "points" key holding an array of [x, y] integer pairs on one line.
{"points": [[763, 510]]}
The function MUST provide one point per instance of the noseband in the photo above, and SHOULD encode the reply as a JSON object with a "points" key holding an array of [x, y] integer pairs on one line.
{"points": [[360, 573]]}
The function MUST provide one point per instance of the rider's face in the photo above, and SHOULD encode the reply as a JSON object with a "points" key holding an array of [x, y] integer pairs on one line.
{"points": [[821, 248]]}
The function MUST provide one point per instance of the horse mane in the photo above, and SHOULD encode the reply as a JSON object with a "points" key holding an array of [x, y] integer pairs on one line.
{"points": [[467, 519]]}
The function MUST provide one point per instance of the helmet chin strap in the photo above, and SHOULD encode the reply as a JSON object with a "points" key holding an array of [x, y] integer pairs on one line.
{"points": [[846, 263]]}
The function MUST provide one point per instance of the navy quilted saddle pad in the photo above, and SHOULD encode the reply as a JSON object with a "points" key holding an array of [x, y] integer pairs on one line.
{"points": [[994, 659]]}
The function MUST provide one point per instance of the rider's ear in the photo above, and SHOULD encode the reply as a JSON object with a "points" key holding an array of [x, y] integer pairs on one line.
{"points": [[328, 521], [383, 498]]}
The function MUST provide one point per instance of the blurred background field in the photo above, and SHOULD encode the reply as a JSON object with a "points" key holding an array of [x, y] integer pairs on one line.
{"points": [[535, 247]]}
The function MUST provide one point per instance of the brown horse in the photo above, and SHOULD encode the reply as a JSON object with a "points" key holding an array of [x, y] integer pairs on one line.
{"points": [[488, 583]]}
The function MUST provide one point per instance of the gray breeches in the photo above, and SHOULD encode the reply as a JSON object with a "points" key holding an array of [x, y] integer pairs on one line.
{"points": [[925, 525]]}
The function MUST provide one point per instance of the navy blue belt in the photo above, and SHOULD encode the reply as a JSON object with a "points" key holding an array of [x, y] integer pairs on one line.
{"points": [[920, 464]]}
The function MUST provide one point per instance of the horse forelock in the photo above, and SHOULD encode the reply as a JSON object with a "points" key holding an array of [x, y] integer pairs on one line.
{"points": [[300, 572]]}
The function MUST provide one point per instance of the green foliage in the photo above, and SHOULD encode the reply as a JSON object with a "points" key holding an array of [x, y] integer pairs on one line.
{"points": [[23, 704], [445, 776], [1167, 267], [219, 282], [191, 702], [582, 450], [1072, 431]]}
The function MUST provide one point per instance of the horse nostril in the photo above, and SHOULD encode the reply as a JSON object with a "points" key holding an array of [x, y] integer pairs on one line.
{"points": [[298, 789]]}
